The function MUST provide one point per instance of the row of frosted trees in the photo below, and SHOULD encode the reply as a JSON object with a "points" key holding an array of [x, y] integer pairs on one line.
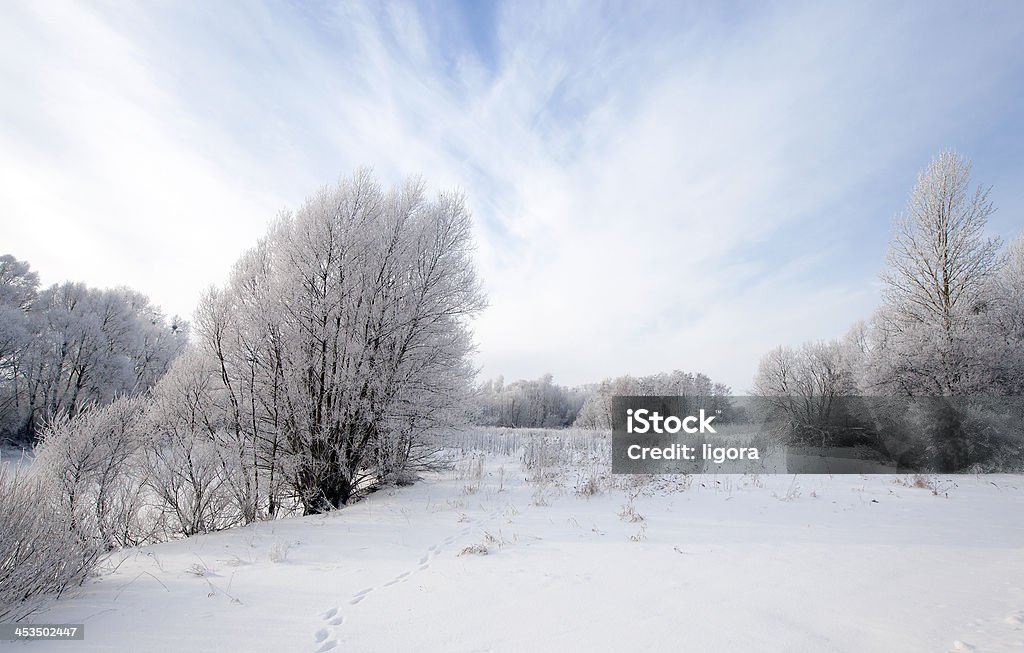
{"points": [[541, 403], [68, 347], [950, 327], [699, 390], [326, 365], [538, 403]]}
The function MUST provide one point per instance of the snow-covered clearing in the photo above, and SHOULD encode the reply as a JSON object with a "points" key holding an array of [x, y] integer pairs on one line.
{"points": [[491, 556]]}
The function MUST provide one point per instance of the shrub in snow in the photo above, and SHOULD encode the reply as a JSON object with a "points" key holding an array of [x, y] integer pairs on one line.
{"points": [[279, 551], [589, 488], [475, 549], [640, 535], [93, 462], [44, 549], [186, 475], [629, 513]]}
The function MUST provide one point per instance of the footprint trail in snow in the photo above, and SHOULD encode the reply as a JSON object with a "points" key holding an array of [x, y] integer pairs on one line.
{"points": [[332, 618]]}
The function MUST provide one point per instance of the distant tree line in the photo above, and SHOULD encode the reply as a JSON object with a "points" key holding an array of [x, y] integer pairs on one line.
{"points": [[541, 403], [68, 347], [698, 388], [529, 404]]}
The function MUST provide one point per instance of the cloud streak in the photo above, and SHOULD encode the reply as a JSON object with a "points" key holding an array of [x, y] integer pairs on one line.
{"points": [[653, 189]]}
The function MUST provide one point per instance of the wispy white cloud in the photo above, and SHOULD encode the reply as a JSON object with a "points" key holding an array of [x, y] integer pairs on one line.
{"points": [[654, 189]]}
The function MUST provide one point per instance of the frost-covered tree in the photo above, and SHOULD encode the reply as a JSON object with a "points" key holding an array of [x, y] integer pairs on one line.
{"points": [[939, 281], [18, 288], [18, 283], [342, 340], [806, 385], [90, 346], [1000, 340]]}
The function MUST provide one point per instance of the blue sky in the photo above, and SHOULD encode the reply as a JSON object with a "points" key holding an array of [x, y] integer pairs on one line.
{"points": [[654, 186]]}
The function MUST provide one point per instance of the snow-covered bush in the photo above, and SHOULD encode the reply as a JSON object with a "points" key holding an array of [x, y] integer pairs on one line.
{"points": [[202, 477], [94, 463], [186, 475], [43, 549], [279, 551]]}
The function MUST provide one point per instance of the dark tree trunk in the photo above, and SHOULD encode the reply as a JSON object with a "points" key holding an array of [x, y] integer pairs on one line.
{"points": [[326, 488]]}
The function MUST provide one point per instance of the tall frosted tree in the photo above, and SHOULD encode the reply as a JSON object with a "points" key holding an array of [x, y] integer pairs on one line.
{"points": [[940, 271]]}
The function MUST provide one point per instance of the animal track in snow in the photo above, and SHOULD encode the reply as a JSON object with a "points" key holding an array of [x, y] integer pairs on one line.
{"points": [[333, 617], [360, 595]]}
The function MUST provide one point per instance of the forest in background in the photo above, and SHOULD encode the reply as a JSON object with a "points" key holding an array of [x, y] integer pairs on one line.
{"points": [[68, 347]]}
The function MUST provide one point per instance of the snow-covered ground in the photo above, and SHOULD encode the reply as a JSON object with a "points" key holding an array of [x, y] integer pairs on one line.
{"points": [[769, 563]]}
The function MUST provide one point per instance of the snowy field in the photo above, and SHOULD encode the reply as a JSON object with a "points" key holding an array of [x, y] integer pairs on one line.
{"points": [[498, 554]]}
